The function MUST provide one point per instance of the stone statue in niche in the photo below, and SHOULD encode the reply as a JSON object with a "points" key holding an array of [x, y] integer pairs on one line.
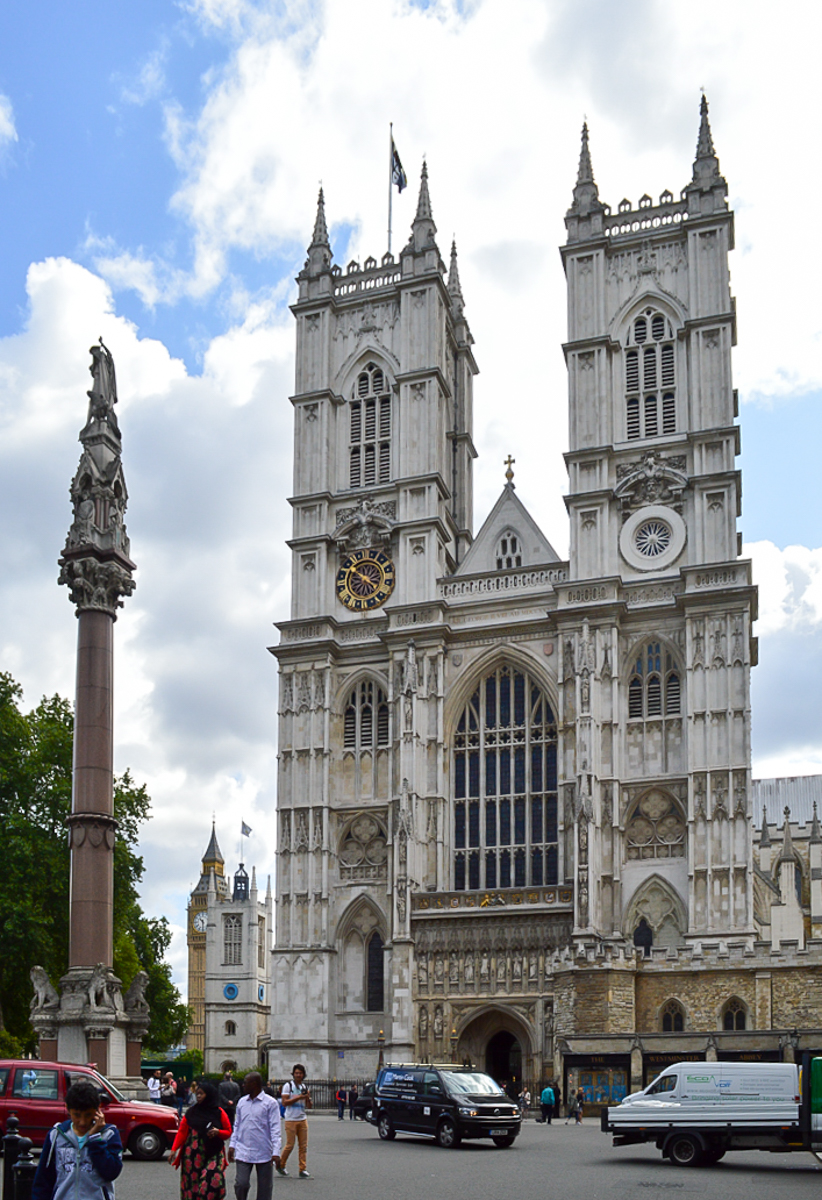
{"points": [[438, 1023], [453, 968], [516, 968], [439, 969], [423, 1023], [422, 973], [485, 967], [468, 968], [501, 968], [532, 966]]}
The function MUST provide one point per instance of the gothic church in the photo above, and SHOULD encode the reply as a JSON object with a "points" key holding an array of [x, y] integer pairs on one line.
{"points": [[515, 811]]}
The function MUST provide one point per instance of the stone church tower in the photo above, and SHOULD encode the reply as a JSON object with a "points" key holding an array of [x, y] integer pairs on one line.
{"points": [[504, 780]]}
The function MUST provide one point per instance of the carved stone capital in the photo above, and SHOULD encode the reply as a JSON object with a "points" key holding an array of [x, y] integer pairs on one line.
{"points": [[95, 583]]}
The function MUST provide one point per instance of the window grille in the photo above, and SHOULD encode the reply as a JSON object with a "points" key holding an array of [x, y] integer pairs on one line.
{"points": [[509, 551], [370, 430], [645, 371], [504, 809]]}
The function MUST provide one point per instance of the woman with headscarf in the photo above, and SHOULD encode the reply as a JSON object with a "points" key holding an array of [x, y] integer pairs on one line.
{"points": [[199, 1147]]}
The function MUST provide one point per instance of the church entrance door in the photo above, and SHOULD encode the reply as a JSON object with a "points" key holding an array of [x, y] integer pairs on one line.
{"points": [[503, 1059]]}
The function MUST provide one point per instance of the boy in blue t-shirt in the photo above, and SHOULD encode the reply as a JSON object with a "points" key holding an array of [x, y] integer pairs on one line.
{"points": [[82, 1156]]}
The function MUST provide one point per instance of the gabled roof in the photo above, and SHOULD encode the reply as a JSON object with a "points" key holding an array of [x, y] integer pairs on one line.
{"points": [[509, 513]]}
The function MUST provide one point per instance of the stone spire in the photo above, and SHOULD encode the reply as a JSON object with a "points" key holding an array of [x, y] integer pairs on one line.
{"points": [[212, 854], [764, 836], [816, 832], [788, 853], [586, 194], [454, 287], [423, 229], [707, 190], [319, 252]]}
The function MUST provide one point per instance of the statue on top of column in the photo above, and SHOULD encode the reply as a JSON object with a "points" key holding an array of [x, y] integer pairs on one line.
{"points": [[103, 393]]}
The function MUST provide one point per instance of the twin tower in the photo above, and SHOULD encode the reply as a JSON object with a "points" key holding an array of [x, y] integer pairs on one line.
{"points": [[506, 780]]}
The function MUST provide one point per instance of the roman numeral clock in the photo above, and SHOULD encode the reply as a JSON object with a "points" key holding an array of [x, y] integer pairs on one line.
{"points": [[365, 579]]}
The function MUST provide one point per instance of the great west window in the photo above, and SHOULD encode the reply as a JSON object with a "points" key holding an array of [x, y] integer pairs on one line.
{"points": [[505, 786]]}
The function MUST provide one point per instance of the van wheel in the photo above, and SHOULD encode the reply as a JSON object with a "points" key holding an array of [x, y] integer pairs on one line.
{"points": [[714, 1154], [385, 1129], [447, 1134], [504, 1142], [684, 1150], [147, 1144]]}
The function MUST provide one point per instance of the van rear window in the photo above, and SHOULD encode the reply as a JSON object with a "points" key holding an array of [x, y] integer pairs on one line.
{"points": [[4, 1078]]}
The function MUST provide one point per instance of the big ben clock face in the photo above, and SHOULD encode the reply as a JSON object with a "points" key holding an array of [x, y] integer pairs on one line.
{"points": [[365, 580], [200, 922]]}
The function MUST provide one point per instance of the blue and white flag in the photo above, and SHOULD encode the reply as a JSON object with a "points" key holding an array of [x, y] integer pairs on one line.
{"points": [[398, 175], [246, 830]]}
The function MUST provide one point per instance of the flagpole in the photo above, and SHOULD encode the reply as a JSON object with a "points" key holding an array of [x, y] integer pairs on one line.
{"points": [[390, 177]]}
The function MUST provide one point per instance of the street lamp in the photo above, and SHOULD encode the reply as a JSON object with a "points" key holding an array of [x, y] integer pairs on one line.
{"points": [[381, 1044], [453, 1044]]}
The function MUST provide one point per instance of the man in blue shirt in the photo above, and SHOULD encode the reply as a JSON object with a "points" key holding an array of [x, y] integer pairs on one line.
{"points": [[546, 1103], [255, 1141]]}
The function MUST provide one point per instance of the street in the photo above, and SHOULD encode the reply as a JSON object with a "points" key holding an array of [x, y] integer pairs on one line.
{"points": [[349, 1162]]}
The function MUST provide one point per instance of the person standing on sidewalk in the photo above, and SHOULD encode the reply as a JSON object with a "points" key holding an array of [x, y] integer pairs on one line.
{"points": [[255, 1141], [546, 1103], [229, 1091], [341, 1098], [295, 1099]]}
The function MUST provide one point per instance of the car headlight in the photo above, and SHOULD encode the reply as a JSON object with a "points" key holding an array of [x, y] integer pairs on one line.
{"points": [[468, 1112]]}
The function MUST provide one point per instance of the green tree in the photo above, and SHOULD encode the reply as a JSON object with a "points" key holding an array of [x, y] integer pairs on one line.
{"points": [[35, 800]]}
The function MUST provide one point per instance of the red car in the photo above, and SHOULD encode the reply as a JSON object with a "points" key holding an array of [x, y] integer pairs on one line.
{"points": [[35, 1092]]}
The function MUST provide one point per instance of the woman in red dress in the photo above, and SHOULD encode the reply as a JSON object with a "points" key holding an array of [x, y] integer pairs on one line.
{"points": [[199, 1147]]}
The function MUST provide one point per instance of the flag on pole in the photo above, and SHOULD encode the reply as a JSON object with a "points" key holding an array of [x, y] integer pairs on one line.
{"points": [[246, 830], [398, 175]]}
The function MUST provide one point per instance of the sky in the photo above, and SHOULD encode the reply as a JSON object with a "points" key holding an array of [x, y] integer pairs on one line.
{"points": [[159, 168]]}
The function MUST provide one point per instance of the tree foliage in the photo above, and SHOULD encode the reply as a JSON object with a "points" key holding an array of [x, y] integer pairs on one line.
{"points": [[35, 801]]}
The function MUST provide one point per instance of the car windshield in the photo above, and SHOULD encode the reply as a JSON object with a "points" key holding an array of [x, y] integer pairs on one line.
{"points": [[118, 1095], [471, 1083]]}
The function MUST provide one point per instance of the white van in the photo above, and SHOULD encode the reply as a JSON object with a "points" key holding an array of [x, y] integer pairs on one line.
{"points": [[692, 1086]]}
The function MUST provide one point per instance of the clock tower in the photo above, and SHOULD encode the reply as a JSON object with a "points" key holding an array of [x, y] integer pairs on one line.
{"points": [[382, 507], [196, 938]]}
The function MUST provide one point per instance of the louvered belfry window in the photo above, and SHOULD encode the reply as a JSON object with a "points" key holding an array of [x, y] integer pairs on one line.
{"points": [[654, 689], [365, 722], [370, 429], [650, 377]]}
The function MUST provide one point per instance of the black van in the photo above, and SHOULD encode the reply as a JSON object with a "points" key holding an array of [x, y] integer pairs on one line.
{"points": [[446, 1102]]}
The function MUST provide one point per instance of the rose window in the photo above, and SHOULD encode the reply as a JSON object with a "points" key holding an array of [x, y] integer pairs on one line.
{"points": [[653, 538]]}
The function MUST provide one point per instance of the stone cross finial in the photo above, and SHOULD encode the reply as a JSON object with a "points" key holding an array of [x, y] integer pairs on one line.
{"points": [[508, 462]]}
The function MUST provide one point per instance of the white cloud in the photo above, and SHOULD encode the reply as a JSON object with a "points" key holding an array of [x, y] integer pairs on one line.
{"points": [[150, 81], [790, 587], [8, 130]]}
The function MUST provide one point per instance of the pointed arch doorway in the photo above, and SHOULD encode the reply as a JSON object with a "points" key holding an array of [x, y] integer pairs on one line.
{"points": [[503, 1057]]}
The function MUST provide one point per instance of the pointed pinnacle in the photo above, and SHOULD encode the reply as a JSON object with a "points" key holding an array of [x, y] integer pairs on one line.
{"points": [[764, 837], [816, 832], [705, 143], [787, 841], [320, 237], [424, 202], [453, 274], [585, 173]]}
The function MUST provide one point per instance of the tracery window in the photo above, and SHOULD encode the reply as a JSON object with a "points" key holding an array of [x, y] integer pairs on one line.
{"points": [[233, 940], [650, 377], [509, 551], [734, 1014], [656, 828], [654, 688], [673, 1017], [365, 723], [370, 429], [375, 998], [505, 786]]}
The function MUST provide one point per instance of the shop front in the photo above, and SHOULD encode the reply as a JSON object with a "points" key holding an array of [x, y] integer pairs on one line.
{"points": [[752, 1056], [604, 1079]]}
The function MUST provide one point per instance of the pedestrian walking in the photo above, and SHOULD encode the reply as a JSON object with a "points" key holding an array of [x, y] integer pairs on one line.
{"points": [[296, 1099], [199, 1146], [153, 1084], [572, 1108], [168, 1091], [546, 1104], [341, 1098], [353, 1097], [580, 1102], [81, 1157], [256, 1140], [229, 1092], [524, 1102]]}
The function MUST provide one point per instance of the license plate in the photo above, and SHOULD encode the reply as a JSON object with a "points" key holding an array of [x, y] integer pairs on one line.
{"points": [[498, 1133]]}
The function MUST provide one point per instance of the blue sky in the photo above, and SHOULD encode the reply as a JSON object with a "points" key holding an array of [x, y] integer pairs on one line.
{"points": [[159, 166]]}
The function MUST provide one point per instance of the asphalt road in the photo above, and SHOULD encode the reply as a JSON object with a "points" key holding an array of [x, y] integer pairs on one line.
{"points": [[349, 1162]]}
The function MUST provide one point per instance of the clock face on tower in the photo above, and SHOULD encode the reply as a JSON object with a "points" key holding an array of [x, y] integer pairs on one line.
{"points": [[365, 580], [200, 922]]}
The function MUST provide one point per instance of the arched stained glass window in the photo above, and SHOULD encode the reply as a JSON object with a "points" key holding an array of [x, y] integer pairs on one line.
{"points": [[374, 974], [504, 830]]}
